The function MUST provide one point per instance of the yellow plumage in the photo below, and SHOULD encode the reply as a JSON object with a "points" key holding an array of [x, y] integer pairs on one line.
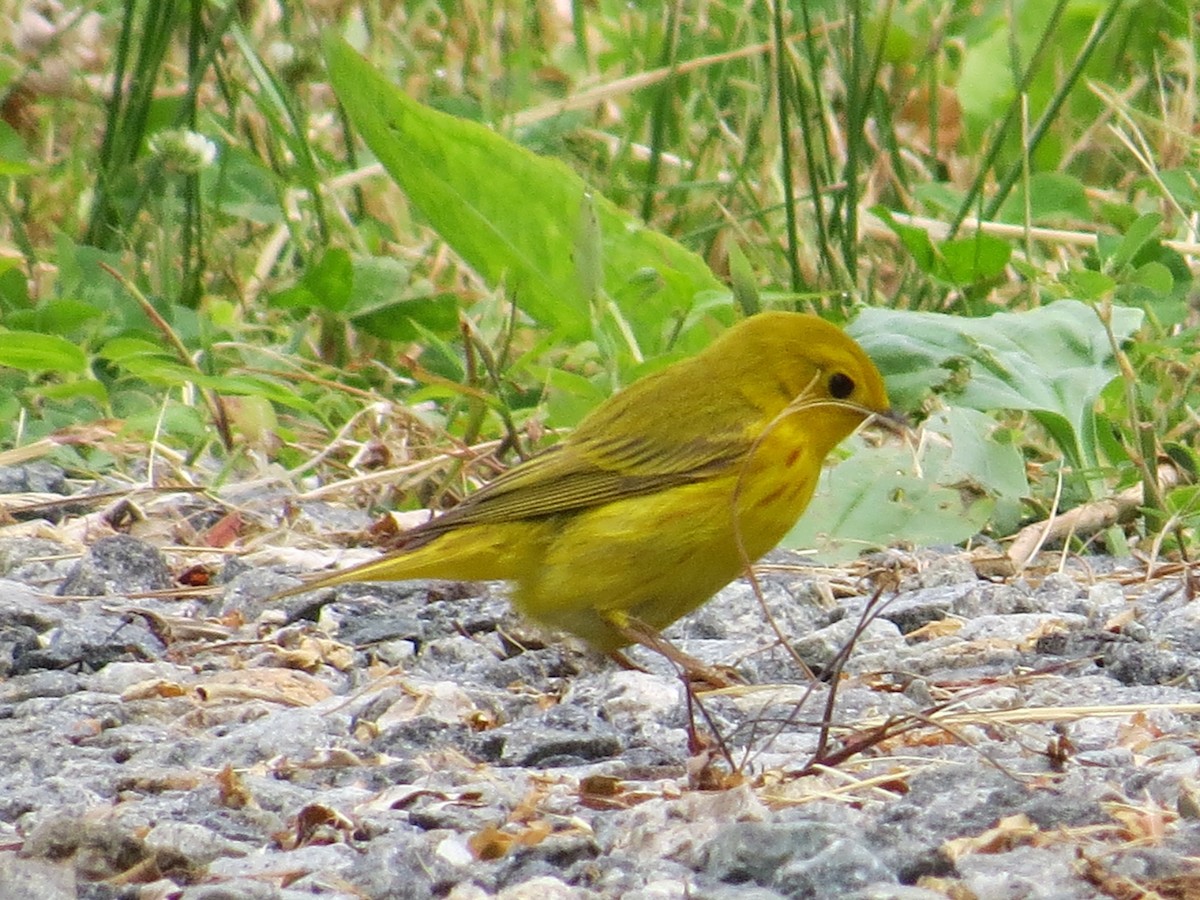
{"points": [[663, 492]]}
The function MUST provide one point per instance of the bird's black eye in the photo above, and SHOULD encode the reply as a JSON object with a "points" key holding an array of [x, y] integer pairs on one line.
{"points": [[841, 385]]}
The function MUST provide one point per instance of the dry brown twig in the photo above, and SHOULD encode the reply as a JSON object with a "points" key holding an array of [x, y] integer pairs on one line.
{"points": [[1086, 519]]}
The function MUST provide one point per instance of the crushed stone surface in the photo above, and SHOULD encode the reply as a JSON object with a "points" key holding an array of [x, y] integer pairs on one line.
{"points": [[1034, 737]]}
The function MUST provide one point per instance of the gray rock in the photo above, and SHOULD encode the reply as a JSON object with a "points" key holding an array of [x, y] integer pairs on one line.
{"points": [[880, 638], [39, 477], [198, 844], [912, 609], [117, 564], [117, 677], [939, 567], [798, 859], [999, 599], [250, 593], [98, 849], [1034, 873], [35, 879], [21, 605], [328, 858], [90, 640], [416, 865], [233, 889], [480, 727], [33, 560], [894, 892], [1131, 663], [38, 684], [563, 736], [371, 619]]}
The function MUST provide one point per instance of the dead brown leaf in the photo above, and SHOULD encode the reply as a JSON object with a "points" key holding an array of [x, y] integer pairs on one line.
{"points": [[317, 823], [1008, 833], [153, 689], [233, 791], [274, 685], [931, 630]]}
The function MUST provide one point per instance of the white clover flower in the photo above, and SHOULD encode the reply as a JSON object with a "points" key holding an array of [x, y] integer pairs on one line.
{"points": [[183, 151], [281, 53]]}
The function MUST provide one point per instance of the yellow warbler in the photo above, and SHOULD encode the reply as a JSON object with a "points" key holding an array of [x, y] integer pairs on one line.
{"points": [[664, 492]]}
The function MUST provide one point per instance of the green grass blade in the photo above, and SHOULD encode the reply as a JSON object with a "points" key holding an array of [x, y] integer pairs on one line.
{"points": [[975, 192], [514, 216], [1063, 91]]}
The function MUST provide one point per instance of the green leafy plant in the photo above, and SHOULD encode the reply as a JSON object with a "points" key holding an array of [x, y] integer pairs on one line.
{"points": [[522, 220], [1053, 361], [569, 199]]}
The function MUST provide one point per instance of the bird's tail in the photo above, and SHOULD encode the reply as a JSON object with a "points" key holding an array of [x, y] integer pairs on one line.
{"points": [[492, 552]]}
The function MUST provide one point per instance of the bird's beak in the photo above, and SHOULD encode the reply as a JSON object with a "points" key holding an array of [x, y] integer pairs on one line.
{"points": [[893, 420]]}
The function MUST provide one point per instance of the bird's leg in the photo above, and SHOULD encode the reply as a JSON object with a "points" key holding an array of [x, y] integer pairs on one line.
{"points": [[703, 751], [636, 631], [625, 662]]}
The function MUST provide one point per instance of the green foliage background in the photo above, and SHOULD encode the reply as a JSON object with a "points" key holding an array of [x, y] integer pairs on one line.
{"points": [[998, 198]]}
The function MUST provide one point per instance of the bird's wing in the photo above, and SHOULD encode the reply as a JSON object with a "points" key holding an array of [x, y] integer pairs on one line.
{"points": [[589, 469], [647, 438]]}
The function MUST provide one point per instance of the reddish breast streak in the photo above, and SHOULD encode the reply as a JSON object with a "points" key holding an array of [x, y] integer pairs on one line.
{"points": [[769, 499], [793, 456]]}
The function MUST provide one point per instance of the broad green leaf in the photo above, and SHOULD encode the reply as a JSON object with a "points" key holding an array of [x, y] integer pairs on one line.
{"points": [[326, 284], [295, 297], [1186, 458], [159, 370], [1183, 185], [1155, 277], [938, 197], [1053, 361], [570, 397], [81, 275], [985, 84], [996, 469], [63, 315], [331, 279], [441, 358], [960, 261], [881, 495], [120, 349], [1138, 270], [1184, 502], [185, 422], [514, 216], [167, 372], [398, 321], [1053, 198], [15, 169], [242, 187], [1139, 234], [379, 282], [14, 158], [915, 240], [976, 456], [14, 286], [969, 260], [1158, 280], [1088, 284], [33, 352], [256, 386], [84, 388]]}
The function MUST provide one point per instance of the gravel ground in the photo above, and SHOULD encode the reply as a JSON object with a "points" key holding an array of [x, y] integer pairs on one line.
{"points": [[1034, 738]]}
